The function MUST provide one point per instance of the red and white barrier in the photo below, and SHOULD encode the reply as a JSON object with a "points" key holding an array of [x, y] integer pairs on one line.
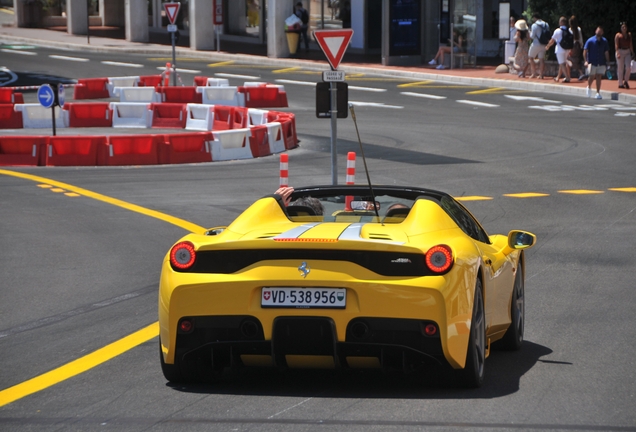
{"points": [[168, 115], [127, 81], [199, 117], [228, 96], [284, 170], [192, 147], [131, 115], [275, 137], [22, 150], [9, 117], [73, 150], [35, 116], [137, 94], [9, 96], [130, 150], [231, 144], [88, 114], [351, 176], [257, 116]]}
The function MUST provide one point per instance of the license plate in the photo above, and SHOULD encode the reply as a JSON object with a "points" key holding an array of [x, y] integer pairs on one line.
{"points": [[306, 298]]}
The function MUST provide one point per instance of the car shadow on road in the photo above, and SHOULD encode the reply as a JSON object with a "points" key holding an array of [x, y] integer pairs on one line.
{"points": [[503, 374]]}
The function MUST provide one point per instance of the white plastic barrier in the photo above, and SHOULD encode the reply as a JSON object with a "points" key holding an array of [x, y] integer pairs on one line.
{"points": [[218, 82], [221, 96], [254, 84], [131, 114], [127, 81], [257, 116], [137, 94], [275, 137], [36, 116], [200, 117], [231, 144]]}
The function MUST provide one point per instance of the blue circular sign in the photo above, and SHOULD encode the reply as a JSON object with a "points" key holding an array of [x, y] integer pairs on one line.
{"points": [[61, 95], [46, 96]]}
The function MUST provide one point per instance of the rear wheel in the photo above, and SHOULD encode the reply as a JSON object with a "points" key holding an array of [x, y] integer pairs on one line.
{"points": [[473, 373], [172, 372], [513, 338]]}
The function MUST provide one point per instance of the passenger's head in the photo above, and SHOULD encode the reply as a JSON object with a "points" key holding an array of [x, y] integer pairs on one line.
{"points": [[312, 203]]}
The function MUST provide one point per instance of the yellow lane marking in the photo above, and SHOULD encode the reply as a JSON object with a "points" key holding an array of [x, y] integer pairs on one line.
{"points": [[415, 84], [445, 86], [291, 69], [78, 366], [72, 194], [628, 189], [527, 195], [45, 186], [57, 190], [580, 192], [488, 90], [188, 226], [473, 198], [358, 75], [224, 63]]}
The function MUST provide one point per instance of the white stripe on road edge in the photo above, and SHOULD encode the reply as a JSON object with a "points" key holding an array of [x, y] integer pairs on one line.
{"points": [[191, 71], [18, 52], [531, 98], [112, 63], [551, 108], [376, 105], [479, 104], [226, 75], [304, 83], [75, 59], [624, 114], [369, 89], [423, 95]]}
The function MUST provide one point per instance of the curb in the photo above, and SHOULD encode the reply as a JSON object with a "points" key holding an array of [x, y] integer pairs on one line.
{"points": [[314, 65]]}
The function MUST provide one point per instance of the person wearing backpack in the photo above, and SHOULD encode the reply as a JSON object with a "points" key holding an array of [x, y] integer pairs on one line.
{"points": [[302, 13], [564, 41], [540, 35]]}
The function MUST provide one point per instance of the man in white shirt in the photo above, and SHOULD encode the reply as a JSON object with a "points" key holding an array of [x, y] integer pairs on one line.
{"points": [[561, 53], [537, 49]]}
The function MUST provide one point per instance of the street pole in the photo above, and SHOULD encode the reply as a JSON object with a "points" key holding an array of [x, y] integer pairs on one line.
{"points": [[334, 132], [53, 118], [174, 60]]}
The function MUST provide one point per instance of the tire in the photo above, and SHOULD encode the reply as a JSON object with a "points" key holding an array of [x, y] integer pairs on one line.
{"points": [[172, 372], [513, 339], [472, 376]]}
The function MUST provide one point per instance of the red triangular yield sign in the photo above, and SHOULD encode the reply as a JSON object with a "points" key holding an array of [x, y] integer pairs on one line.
{"points": [[172, 9], [333, 43]]}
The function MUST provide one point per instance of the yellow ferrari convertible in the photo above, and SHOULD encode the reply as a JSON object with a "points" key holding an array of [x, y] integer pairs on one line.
{"points": [[343, 277]]}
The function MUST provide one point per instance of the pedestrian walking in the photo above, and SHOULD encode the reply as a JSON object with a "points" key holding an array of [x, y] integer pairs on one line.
{"points": [[576, 53], [624, 49], [540, 35], [596, 55], [564, 41], [521, 54], [302, 13]]}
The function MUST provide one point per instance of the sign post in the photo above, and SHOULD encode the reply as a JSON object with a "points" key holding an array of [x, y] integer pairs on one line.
{"points": [[49, 98], [218, 21], [333, 43], [172, 10]]}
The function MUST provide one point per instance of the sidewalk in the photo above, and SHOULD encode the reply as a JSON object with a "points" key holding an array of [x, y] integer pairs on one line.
{"points": [[111, 40]]}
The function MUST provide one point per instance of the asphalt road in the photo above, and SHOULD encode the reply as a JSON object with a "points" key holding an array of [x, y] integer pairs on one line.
{"points": [[79, 274]]}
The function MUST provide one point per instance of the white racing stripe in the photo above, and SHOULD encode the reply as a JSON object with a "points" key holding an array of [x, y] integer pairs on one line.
{"points": [[113, 63], [479, 104], [227, 75], [368, 89], [423, 95], [190, 71], [18, 52], [75, 59], [303, 83], [375, 105]]}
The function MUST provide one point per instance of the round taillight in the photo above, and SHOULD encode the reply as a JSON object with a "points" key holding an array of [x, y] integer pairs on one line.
{"points": [[430, 330], [182, 255], [439, 258], [186, 326]]}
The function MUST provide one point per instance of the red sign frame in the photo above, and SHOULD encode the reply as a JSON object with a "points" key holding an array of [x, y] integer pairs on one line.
{"points": [[333, 43], [172, 10], [217, 7]]}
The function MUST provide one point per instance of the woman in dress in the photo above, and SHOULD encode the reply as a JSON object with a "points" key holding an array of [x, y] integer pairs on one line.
{"points": [[624, 55], [521, 54]]}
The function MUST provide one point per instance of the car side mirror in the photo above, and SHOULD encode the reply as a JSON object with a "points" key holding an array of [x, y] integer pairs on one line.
{"points": [[521, 239]]}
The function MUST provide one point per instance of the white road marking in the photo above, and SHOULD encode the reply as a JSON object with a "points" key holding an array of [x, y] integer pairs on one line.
{"points": [[112, 63], [304, 83], [369, 89], [18, 52], [624, 114], [530, 98], [291, 407], [551, 108], [376, 105], [423, 95], [75, 59], [479, 104], [226, 75], [191, 71]]}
